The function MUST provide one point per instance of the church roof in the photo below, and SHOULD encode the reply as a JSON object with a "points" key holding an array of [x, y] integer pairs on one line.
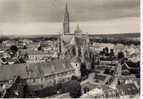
{"points": [[34, 70], [73, 40]]}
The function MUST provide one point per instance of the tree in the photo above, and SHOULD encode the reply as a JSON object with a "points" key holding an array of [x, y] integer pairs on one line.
{"points": [[106, 51], [111, 52], [121, 55], [74, 88], [39, 48], [24, 47], [83, 70], [16, 89], [14, 48]]}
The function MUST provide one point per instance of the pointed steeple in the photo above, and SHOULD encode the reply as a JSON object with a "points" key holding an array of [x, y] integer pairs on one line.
{"points": [[66, 20], [77, 30], [66, 14]]}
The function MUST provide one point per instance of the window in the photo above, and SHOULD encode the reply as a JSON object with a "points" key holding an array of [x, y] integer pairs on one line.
{"points": [[42, 79]]}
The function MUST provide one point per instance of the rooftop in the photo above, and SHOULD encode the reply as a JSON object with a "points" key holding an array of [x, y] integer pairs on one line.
{"points": [[34, 70], [128, 89]]}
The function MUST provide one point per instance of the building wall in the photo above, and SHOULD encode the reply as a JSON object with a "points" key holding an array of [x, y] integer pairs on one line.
{"points": [[37, 58], [51, 80]]}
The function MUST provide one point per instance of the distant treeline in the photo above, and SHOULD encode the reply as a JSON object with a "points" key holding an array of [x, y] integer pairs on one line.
{"points": [[3, 39], [121, 35], [35, 39], [127, 38], [116, 41]]}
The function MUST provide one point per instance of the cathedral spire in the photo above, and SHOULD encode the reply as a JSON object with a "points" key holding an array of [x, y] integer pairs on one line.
{"points": [[66, 20], [77, 30]]}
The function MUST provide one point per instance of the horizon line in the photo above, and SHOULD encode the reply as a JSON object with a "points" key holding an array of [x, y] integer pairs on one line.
{"points": [[59, 33]]}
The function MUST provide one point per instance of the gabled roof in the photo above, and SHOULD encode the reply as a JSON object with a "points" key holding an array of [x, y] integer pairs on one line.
{"points": [[8, 72], [34, 70]]}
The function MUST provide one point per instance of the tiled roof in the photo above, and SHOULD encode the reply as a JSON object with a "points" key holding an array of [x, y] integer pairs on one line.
{"points": [[10, 71], [34, 70]]}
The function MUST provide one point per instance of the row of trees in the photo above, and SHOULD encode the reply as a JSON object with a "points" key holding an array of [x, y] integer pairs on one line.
{"points": [[116, 41]]}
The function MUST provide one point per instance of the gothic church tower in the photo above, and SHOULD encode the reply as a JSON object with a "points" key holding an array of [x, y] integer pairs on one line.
{"points": [[66, 21]]}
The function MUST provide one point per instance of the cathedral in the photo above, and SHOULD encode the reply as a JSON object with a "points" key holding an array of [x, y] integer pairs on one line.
{"points": [[73, 45]]}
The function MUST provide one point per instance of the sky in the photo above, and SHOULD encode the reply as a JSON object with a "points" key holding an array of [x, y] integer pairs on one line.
{"points": [[26, 17]]}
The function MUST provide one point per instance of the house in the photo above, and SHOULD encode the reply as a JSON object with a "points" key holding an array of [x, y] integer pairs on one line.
{"points": [[27, 41], [8, 43], [37, 56], [104, 60], [33, 46]]}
